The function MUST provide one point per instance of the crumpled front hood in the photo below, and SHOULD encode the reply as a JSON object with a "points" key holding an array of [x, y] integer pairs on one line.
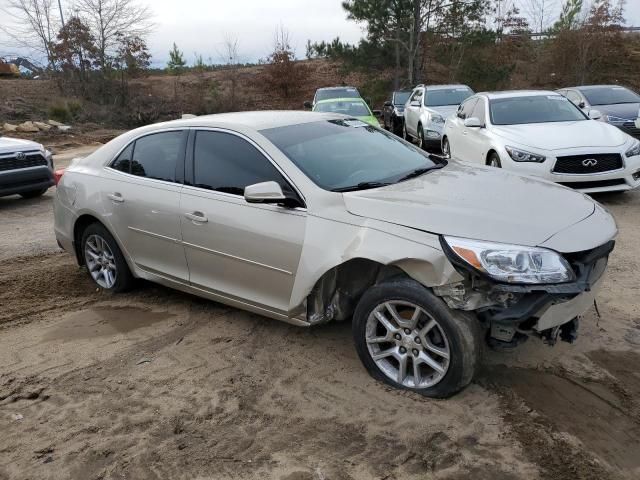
{"points": [[562, 135], [475, 202], [11, 145]]}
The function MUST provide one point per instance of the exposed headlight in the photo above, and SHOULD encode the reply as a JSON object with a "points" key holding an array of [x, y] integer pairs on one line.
{"points": [[613, 119], [523, 156], [633, 151], [437, 118], [512, 263]]}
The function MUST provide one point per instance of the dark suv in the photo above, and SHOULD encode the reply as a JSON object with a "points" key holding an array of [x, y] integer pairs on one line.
{"points": [[393, 111]]}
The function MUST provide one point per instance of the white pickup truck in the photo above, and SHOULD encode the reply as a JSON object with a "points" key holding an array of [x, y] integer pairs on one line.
{"points": [[26, 168]]}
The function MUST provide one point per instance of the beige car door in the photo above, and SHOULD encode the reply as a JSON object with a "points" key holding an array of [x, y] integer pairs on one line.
{"points": [[141, 198], [247, 252]]}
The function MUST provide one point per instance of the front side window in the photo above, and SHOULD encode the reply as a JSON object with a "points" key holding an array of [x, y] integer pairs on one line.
{"points": [[227, 163], [574, 97], [447, 96], [466, 108], [400, 98], [156, 156], [416, 97], [353, 108], [533, 109], [479, 110], [341, 155]]}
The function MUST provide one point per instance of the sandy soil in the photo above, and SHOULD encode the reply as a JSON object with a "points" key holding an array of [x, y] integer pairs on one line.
{"points": [[159, 384]]}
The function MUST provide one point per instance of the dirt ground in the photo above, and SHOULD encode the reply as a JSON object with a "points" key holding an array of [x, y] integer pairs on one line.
{"points": [[160, 384]]}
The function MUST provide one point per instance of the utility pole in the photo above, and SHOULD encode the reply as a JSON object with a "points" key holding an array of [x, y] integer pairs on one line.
{"points": [[61, 16]]}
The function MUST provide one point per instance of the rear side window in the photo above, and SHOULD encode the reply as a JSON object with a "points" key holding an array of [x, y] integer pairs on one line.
{"points": [[156, 156], [227, 163], [123, 162]]}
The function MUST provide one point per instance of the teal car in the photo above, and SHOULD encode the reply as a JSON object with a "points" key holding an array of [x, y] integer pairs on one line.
{"points": [[354, 107]]}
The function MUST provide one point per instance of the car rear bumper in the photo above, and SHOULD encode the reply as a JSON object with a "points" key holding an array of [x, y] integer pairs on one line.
{"points": [[25, 180]]}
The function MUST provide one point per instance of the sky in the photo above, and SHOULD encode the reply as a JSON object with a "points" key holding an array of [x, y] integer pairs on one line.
{"points": [[201, 26]]}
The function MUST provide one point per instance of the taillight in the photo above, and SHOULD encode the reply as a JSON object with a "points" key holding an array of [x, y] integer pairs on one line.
{"points": [[57, 175]]}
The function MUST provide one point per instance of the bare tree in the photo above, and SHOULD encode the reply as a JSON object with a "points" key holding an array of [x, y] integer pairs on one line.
{"points": [[231, 58], [34, 25], [109, 19]]}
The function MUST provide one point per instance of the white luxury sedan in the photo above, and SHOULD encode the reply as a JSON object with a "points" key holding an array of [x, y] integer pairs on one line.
{"points": [[543, 134]]}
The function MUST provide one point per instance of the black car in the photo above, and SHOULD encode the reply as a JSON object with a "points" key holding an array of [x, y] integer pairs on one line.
{"points": [[618, 105], [393, 111]]}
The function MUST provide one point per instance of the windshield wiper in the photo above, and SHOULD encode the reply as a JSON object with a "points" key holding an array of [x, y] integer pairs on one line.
{"points": [[361, 186], [420, 171]]}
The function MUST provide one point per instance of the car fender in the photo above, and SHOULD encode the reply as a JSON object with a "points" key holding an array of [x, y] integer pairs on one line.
{"points": [[328, 245]]}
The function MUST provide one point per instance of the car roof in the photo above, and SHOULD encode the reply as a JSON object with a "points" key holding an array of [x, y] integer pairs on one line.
{"points": [[340, 99], [346, 87], [439, 87], [593, 87], [257, 120], [516, 93]]}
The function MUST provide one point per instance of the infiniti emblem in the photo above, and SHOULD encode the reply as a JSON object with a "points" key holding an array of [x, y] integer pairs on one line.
{"points": [[589, 162], [20, 156]]}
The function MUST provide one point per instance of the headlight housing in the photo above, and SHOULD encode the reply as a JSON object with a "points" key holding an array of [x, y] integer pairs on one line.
{"points": [[524, 156], [511, 263], [633, 151], [437, 118], [398, 111]]}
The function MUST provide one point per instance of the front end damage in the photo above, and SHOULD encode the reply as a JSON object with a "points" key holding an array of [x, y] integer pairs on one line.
{"points": [[512, 312]]}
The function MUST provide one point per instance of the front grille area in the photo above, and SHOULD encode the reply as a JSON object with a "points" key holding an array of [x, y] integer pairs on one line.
{"points": [[585, 164], [631, 129], [30, 160], [595, 184]]}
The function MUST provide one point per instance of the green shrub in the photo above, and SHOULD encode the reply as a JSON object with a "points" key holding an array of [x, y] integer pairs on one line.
{"points": [[60, 113]]}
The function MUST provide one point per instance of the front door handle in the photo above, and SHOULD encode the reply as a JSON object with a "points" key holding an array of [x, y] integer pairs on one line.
{"points": [[197, 217], [116, 197]]}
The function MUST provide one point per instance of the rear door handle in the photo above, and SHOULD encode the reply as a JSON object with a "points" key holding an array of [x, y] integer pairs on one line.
{"points": [[116, 197], [197, 217]]}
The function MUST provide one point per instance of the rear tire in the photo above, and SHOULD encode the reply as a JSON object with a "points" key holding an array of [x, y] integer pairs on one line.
{"points": [[34, 193], [494, 160], [418, 329], [104, 260]]}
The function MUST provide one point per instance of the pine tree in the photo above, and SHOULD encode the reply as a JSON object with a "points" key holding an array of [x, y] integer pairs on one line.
{"points": [[176, 63]]}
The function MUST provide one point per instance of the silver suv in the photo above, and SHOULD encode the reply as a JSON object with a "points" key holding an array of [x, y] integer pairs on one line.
{"points": [[315, 217], [26, 168], [427, 109]]}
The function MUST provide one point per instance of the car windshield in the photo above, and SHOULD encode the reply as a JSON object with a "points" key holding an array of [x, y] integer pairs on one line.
{"points": [[447, 96], [533, 109], [347, 92], [400, 98], [610, 95], [353, 108], [342, 155]]}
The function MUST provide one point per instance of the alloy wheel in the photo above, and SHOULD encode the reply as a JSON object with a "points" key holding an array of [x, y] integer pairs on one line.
{"points": [[407, 344], [100, 261]]}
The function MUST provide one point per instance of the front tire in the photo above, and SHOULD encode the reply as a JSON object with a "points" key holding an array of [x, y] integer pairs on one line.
{"points": [[408, 338], [103, 258], [494, 160], [405, 135], [421, 142], [446, 148]]}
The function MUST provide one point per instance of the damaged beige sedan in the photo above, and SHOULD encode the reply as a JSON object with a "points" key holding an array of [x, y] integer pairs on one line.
{"points": [[310, 218]]}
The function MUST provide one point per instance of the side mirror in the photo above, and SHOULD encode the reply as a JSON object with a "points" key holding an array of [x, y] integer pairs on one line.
{"points": [[582, 105], [388, 103], [265, 192], [377, 113], [473, 122], [308, 105], [595, 114], [415, 103]]}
